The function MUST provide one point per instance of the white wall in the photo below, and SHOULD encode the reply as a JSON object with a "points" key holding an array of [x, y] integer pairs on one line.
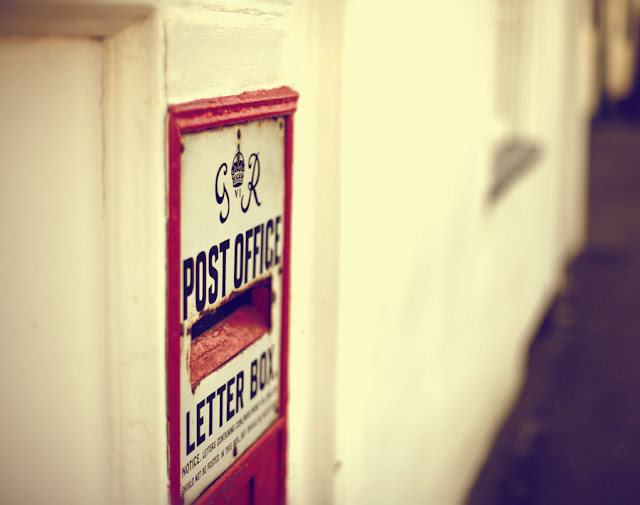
{"points": [[54, 432], [439, 290], [183, 51], [134, 109], [412, 296]]}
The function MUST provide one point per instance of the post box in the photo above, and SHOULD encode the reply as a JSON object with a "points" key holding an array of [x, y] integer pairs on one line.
{"points": [[229, 220]]}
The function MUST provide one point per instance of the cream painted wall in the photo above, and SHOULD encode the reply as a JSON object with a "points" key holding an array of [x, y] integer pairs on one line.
{"points": [[185, 50], [53, 371], [134, 109], [412, 296], [439, 290]]}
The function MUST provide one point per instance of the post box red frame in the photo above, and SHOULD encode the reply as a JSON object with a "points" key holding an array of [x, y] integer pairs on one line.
{"points": [[193, 117]]}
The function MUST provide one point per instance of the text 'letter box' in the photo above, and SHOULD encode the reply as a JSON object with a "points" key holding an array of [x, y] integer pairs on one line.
{"points": [[227, 304]]}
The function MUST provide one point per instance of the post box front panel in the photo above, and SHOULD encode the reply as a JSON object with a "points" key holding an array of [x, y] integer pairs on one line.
{"points": [[232, 190]]}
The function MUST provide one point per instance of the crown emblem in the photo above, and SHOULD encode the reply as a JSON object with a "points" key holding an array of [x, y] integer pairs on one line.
{"points": [[237, 169]]}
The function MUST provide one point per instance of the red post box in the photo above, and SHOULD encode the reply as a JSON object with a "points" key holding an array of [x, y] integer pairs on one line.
{"points": [[228, 234]]}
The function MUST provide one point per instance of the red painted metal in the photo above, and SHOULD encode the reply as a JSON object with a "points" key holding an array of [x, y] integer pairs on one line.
{"points": [[223, 341], [173, 311], [211, 113], [262, 469], [254, 474]]}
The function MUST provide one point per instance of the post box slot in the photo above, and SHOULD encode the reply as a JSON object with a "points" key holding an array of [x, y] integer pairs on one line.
{"points": [[218, 336]]}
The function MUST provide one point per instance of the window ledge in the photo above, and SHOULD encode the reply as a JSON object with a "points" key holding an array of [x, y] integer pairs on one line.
{"points": [[511, 160]]}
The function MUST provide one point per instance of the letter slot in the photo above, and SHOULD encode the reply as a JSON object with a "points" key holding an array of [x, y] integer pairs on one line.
{"points": [[219, 336]]}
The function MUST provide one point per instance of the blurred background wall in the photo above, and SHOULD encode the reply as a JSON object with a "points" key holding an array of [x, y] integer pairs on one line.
{"points": [[53, 370], [440, 285], [421, 262]]}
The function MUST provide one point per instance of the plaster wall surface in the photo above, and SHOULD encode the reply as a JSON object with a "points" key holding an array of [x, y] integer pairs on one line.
{"points": [[133, 120], [54, 434], [181, 50], [440, 288], [412, 296]]}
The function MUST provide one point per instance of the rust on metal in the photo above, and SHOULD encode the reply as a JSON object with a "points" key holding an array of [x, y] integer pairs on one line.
{"points": [[219, 336]]}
